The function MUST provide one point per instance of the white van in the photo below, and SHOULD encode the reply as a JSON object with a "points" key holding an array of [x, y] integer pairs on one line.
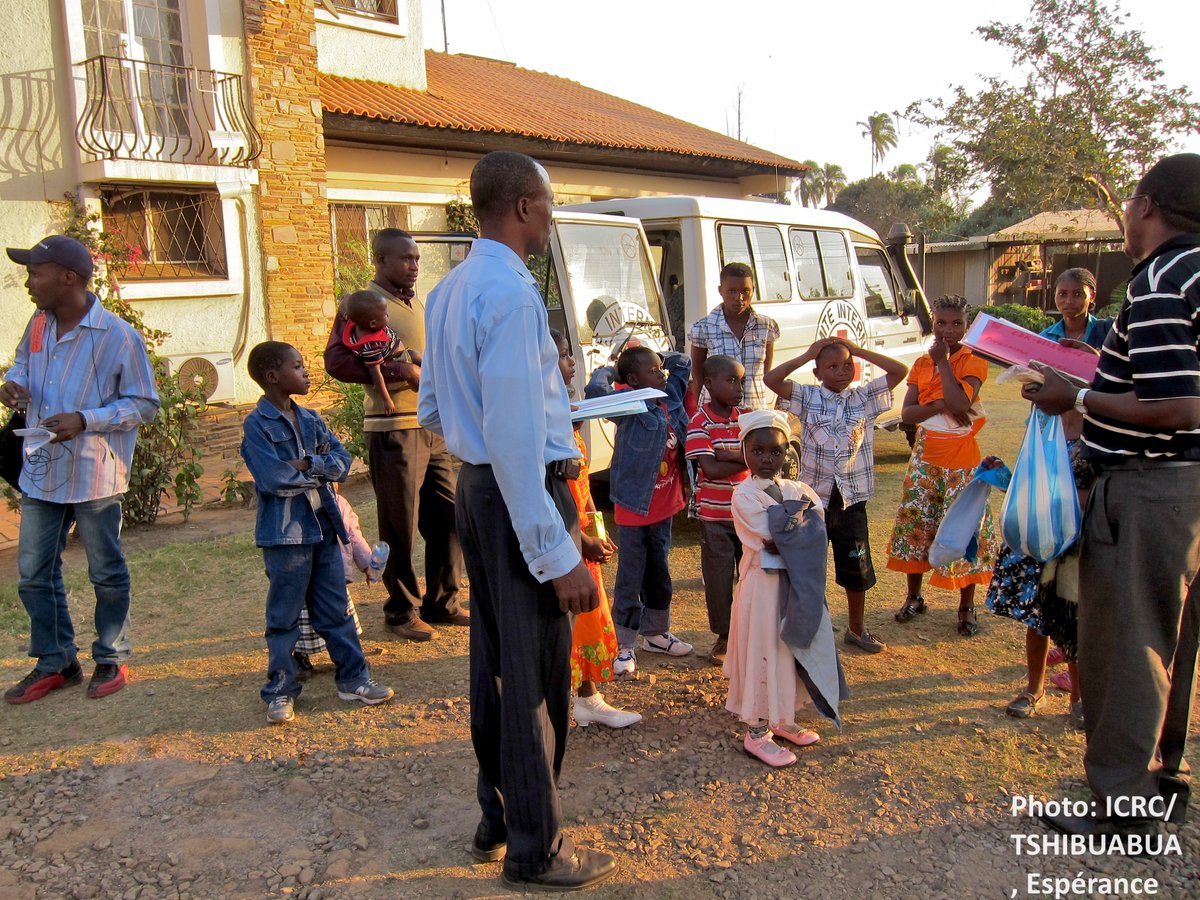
{"points": [[817, 273], [600, 290]]}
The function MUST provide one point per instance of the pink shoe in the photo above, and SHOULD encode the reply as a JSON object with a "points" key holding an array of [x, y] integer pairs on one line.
{"points": [[1061, 680], [801, 737], [1055, 657], [763, 748]]}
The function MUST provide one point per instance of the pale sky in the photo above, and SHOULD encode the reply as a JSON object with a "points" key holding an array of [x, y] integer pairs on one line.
{"points": [[809, 71]]}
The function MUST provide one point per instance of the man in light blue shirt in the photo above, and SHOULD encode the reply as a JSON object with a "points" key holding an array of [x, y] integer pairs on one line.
{"points": [[490, 385], [81, 373]]}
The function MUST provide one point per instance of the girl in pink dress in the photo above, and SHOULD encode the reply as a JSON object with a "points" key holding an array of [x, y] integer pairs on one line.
{"points": [[764, 689]]}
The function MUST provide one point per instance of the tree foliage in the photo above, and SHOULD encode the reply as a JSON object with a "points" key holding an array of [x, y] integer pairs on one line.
{"points": [[881, 131], [882, 202], [1086, 113]]}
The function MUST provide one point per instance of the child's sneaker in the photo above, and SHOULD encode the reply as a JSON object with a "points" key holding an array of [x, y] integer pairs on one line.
{"points": [[666, 643], [766, 750], [369, 693], [280, 710], [625, 665]]}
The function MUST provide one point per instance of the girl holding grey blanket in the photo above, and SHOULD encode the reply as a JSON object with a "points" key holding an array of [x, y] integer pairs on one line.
{"points": [[764, 689]]}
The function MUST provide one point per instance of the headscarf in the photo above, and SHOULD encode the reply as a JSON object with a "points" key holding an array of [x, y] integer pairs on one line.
{"points": [[764, 418]]}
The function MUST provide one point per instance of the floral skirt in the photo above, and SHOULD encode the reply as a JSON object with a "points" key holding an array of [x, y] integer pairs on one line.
{"points": [[593, 639], [927, 493], [1021, 591]]}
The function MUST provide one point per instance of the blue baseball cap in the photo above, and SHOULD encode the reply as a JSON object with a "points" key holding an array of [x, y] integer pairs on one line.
{"points": [[57, 248]]}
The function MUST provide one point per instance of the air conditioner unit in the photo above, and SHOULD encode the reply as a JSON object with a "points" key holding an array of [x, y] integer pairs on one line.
{"points": [[209, 373]]}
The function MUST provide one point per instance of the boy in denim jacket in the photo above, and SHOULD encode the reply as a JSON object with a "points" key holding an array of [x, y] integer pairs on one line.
{"points": [[293, 456], [646, 487]]}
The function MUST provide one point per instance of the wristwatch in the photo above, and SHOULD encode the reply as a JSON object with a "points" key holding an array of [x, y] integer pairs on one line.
{"points": [[1080, 407]]}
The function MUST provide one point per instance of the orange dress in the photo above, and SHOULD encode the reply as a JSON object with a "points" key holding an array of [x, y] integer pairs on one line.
{"points": [[593, 640]]}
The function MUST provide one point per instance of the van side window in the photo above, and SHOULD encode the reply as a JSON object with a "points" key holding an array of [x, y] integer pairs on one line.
{"points": [[879, 290], [822, 264], [761, 248]]}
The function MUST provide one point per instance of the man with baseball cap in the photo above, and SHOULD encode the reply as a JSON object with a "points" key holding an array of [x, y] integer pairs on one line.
{"points": [[81, 373]]}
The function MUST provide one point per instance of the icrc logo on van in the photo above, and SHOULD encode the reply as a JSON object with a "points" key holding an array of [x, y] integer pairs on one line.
{"points": [[841, 318]]}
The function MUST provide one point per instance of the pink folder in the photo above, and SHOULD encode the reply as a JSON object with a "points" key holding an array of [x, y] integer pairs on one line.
{"points": [[1011, 345]]}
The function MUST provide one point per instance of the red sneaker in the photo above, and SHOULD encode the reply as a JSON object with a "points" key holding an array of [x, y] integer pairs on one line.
{"points": [[37, 684], [107, 679]]}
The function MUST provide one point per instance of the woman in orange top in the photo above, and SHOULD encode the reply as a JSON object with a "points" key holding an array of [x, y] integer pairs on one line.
{"points": [[943, 399]]}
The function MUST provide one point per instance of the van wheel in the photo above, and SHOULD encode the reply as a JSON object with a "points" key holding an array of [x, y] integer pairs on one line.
{"points": [[791, 464]]}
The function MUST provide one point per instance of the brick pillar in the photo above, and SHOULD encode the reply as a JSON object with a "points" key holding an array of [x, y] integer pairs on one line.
{"points": [[296, 244]]}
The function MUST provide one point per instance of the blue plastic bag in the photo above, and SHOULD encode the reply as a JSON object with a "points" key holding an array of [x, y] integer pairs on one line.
{"points": [[1041, 516], [958, 535]]}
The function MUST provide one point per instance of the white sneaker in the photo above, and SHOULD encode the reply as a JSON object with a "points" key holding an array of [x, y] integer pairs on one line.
{"points": [[594, 709], [280, 710], [625, 665], [666, 643]]}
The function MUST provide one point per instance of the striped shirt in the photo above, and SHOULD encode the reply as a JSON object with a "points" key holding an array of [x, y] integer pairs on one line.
{"points": [[1154, 351], [708, 433], [712, 334], [837, 440], [99, 369]]}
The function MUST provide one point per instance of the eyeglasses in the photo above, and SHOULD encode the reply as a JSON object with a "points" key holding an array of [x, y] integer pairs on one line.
{"points": [[1133, 197]]}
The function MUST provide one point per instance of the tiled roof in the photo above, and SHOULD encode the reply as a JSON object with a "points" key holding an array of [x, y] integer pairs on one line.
{"points": [[1065, 225], [469, 94]]}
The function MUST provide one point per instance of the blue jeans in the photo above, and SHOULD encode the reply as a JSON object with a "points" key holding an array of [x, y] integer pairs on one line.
{"points": [[312, 576], [43, 536], [642, 602]]}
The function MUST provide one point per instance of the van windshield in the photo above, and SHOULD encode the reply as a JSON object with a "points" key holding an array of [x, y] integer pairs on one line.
{"points": [[611, 283]]}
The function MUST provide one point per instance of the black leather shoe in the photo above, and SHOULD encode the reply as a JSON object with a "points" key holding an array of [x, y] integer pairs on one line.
{"points": [[580, 870], [486, 847], [1176, 790]]}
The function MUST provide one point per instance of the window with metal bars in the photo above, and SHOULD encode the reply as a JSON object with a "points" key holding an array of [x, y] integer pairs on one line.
{"points": [[384, 10], [176, 234]]}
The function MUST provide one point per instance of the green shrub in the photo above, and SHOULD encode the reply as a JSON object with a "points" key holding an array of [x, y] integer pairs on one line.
{"points": [[1027, 317], [1110, 311], [345, 415]]}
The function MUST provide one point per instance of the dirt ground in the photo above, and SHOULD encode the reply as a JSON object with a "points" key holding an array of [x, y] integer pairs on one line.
{"points": [[177, 787]]}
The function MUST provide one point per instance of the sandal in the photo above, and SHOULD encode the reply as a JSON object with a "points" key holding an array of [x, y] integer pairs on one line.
{"points": [[913, 607], [967, 626], [1025, 704]]}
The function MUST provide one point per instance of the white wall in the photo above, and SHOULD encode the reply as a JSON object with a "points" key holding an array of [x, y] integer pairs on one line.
{"points": [[359, 47]]}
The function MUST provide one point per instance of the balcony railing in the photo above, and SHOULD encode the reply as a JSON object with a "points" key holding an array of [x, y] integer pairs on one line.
{"points": [[165, 113], [384, 10]]}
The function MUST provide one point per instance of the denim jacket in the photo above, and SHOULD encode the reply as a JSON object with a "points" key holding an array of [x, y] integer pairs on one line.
{"points": [[286, 514], [642, 439]]}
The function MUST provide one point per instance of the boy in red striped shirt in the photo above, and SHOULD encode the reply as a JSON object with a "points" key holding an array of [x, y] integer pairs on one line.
{"points": [[714, 442]]}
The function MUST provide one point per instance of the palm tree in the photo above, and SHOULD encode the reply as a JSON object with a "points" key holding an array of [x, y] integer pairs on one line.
{"points": [[882, 132], [803, 187], [835, 180], [816, 184], [903, 173]]}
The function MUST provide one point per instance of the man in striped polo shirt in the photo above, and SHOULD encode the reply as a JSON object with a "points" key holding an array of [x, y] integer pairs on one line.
{"points": [[1140, 550]]}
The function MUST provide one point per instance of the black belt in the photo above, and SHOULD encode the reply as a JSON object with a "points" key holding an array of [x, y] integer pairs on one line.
{"points": [[1142, 464], [562, 469]]}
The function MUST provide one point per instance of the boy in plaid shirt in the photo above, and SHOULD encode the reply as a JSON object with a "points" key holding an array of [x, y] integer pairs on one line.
{"points": [[714, 442], [837, 458]]}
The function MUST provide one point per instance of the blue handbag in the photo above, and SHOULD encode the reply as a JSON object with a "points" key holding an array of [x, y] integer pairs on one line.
{"points": [[958, 535], [1041, 515]]}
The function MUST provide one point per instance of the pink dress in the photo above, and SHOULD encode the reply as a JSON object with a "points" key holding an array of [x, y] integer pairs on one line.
{"points": [[763, 684]]}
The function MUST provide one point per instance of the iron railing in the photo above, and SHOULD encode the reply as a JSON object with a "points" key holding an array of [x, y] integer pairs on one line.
{"points": [[384, 10], [165, 113]]}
